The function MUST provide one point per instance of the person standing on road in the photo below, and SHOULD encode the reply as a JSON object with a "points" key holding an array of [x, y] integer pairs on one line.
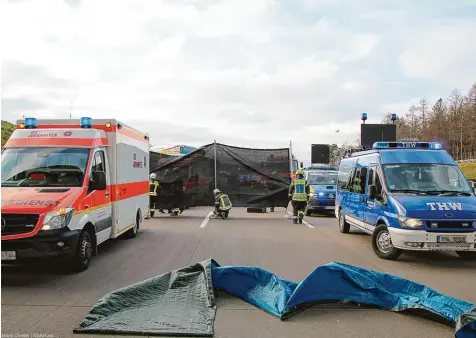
{"points": [[153, 187], [299, 191]]}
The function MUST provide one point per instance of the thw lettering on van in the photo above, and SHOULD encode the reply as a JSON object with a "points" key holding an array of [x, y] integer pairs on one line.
{"points": [[445, 206]]}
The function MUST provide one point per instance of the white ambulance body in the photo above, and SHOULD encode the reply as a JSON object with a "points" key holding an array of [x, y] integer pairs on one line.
{"points": [[69, 185]]}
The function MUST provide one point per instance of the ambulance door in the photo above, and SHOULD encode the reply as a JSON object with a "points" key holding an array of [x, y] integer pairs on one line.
{"points": [[100, 196]]}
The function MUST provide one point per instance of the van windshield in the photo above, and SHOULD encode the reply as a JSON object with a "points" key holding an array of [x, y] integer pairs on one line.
{"points": [[43, 167], [425, 178], [322, 177]]}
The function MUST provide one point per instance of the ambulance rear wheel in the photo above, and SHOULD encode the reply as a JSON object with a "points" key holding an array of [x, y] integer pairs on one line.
{"points": [[382, 244], [132, 232], [84, 252], [152, 214], [344, 227], [467, 254]]}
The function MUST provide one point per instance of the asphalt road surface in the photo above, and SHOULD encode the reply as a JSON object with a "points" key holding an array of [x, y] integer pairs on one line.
{"points": [[45, 301]]}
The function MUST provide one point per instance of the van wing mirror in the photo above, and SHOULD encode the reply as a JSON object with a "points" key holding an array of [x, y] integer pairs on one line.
{"points": [[98, 181], [372, 192]]}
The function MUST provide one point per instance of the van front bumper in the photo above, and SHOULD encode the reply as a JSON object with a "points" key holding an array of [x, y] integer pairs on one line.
{"points": [[420, 240], [54, 245], [316, 204]]}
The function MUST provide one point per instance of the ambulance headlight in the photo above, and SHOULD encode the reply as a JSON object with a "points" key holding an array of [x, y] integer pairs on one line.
{"points": [[411, 223], [58, 219]]}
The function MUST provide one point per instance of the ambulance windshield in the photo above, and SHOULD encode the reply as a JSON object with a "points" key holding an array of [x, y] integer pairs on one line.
{"points": [[437, 179], [44, 167]]}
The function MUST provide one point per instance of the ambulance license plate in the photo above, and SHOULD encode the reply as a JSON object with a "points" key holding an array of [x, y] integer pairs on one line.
{"points": [[9, 255], [451, 239], [329, 208]]}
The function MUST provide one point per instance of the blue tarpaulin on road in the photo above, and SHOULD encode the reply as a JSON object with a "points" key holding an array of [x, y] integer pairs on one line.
{"points": [[337, 282], [131, 309]]}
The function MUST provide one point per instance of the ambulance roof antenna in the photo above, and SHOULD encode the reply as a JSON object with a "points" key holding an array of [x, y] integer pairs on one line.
{"points": [[71, 110]]}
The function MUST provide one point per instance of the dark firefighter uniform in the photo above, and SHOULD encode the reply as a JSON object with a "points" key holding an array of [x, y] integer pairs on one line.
{"points": [[153, 187], [299, 195]]}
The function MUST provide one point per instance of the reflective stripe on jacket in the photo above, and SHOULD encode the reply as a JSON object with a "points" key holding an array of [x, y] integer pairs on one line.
{"points": [[224, 202], [153, 185], [299, 190]]}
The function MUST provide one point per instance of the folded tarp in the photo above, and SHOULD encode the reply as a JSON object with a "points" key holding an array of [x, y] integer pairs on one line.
{"points": [[178, 303], [182, 301]]}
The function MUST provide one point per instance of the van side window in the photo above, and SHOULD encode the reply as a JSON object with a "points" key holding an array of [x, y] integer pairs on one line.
{"points": [[358, 180], [374, 179]]}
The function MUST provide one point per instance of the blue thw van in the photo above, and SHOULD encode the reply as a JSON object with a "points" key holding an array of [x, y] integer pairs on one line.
{"points": [[323, 188], [408, 196]]}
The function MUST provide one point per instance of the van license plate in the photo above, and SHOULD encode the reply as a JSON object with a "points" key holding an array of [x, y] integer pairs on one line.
{"points": [[8, 255], [451, 239]]}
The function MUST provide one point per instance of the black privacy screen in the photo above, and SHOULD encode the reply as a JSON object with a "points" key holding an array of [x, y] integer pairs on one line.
{"points": [[251, 177], [371, 133]]}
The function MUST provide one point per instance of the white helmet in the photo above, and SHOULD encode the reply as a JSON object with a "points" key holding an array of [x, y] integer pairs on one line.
{"points": [[153, 176], [216, 191]]}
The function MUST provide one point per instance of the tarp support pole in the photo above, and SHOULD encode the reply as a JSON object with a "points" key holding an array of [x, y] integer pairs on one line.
{"points": [[290, 158], [215, 160]]}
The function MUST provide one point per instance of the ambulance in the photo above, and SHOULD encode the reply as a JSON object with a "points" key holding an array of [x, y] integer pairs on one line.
{"points": [[70, 185], [409, 196]]}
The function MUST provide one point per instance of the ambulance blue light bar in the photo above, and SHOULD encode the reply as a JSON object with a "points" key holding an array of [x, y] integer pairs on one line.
{"points": [[408, 145], [30, 123], [86, 122]]}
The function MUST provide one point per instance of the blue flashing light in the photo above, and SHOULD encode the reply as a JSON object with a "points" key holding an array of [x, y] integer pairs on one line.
{"points": [[394, 117], [408, 145], [364, 116], [30, 123], [86, 122]]}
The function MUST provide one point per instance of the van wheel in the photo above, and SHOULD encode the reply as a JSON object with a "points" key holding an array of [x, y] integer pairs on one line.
{"points": [[382, 244], [84, 252], [467, 254], [308, 212], [132, 232], [152, 214], [344, 227]]}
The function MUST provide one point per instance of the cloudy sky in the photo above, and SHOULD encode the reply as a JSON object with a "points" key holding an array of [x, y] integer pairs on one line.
{"points": [[254, 73]]}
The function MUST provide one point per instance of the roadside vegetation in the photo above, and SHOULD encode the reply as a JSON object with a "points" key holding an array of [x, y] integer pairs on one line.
{"points": [[7, 130]]}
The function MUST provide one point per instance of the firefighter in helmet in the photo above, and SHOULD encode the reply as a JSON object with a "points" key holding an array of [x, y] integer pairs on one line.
{"points": [[153, 187], [222, 204], [299, 191]]}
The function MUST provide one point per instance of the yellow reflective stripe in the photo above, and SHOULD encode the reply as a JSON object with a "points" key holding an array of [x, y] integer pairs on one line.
{"points": [[124, 229], [85, 211]]}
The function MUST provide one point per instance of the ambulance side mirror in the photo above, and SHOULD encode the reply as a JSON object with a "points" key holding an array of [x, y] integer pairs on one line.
{"points": [[98, 181]]}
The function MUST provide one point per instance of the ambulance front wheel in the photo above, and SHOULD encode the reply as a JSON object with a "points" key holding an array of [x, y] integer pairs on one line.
{"points": [[84, 252], [467, 254], [382, 244]]}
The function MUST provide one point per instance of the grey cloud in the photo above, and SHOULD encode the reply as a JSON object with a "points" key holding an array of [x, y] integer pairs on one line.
{"points": [[12, 108], [19, 73], [73, 2]]}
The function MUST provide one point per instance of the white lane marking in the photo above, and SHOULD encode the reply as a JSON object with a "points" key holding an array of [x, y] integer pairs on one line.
{"points": [[309, 225], [205, 221]]}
